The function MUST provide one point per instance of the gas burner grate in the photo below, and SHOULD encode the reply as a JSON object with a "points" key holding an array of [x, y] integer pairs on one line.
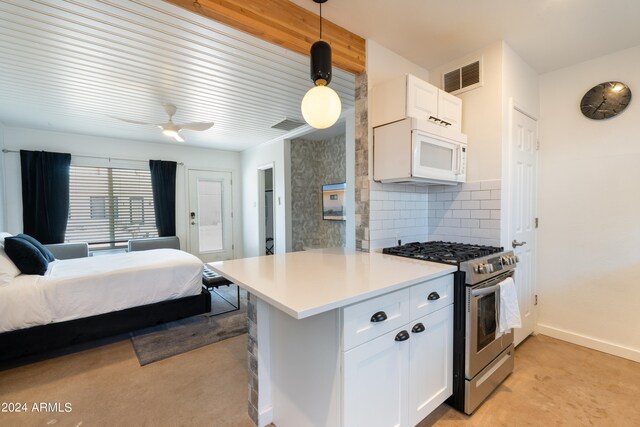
{"points": [[445, 252]]}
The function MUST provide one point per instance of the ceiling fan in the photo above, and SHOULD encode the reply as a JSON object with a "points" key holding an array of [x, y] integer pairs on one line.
{"points": [[172, 129]]}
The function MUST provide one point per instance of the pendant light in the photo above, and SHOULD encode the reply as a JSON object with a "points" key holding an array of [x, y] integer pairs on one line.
{"points": [[321, 105]]}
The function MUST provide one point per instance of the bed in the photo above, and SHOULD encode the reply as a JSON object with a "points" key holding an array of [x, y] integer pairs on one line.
{"points": [[88, 298]]}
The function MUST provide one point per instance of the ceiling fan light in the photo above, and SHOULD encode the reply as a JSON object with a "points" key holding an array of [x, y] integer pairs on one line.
{"points": [[321, 107], [170, 132]]}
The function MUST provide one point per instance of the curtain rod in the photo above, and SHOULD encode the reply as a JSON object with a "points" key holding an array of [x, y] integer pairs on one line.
{"points": [[4, 150]]}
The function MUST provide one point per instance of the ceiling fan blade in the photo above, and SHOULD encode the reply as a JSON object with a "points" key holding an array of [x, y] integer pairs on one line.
{"points": [[135, 122], [197, 126], [178, 138]]}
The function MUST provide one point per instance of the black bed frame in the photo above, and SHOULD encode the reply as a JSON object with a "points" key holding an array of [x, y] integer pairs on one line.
{"points": [[38, 339]]}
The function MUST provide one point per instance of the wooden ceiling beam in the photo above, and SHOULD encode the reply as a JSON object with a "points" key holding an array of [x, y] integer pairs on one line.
{"points": [[285, 24]]}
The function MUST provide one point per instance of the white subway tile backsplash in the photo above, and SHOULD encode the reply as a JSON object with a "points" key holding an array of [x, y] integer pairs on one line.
{"points": [[462, 213], [470, 204], [451, 222], [486, 233], [467, 213], [481, 195], [444, 196], [470, 223], [388, 205], [388, 224], [375, 205], [489, 223], [471, 186], [463, 195], [490, 204], [491, 185], [379, 195], [480, 214]]}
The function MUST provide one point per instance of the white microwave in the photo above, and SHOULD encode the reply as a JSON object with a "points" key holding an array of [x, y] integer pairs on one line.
{"points": [[418, 151]]}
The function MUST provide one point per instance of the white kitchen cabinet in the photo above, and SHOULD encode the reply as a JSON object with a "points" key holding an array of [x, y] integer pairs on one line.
{"points": [[407, 372], [422, 98], [430, 363], [376, 375], [409, 96]]}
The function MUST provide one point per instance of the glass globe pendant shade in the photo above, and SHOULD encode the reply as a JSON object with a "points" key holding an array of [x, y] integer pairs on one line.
{"points": [[321, 107]]}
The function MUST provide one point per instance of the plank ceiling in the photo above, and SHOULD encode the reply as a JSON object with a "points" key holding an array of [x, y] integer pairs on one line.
{"points": [[72, 66]]}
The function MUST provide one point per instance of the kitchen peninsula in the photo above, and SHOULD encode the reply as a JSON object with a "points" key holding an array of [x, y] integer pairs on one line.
{"points": [[348, 338]]}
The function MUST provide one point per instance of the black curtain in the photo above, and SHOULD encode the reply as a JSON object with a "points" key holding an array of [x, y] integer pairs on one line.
{"points": [[163, 183], [45, 194]]}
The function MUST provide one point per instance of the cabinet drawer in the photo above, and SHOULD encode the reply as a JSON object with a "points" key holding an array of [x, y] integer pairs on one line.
{"points": [[440, 291], [358, 324]]}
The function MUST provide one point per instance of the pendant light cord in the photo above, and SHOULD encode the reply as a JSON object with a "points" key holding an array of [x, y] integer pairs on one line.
{"points": [[320, 21]]}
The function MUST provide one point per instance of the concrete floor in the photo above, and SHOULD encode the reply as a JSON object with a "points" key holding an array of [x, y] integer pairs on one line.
{"points": [[555, 384]]}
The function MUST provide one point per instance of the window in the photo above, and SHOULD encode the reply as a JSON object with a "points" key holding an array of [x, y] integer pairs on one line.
{"points": [[108, 206]]}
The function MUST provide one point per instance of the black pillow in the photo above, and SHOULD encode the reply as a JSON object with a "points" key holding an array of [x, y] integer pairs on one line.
{"points": [[39, 246], [25, 256]]}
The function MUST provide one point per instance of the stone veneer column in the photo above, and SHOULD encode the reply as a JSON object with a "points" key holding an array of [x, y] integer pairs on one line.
{"points": [[252, 356], [362, 232], [362, 163]]}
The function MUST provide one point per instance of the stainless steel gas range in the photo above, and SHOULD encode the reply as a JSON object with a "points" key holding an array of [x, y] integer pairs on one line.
{"points": [[482, 358]]}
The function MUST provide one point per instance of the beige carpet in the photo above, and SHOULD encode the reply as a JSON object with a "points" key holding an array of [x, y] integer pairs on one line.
{"points": [[107, 387]]}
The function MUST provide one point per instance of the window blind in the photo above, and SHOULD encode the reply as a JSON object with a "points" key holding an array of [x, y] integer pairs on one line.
{"points": [[108, 206]]}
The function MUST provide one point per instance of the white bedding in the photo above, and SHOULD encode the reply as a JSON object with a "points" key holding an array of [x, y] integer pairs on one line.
{"points": [[82, 287]]}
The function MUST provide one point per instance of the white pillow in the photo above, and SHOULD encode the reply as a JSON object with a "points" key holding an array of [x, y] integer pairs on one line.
{"points": [[3, 234], [8, 270]]}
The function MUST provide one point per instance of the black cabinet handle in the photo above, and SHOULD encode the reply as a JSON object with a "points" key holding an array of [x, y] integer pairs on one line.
{"points": [[380, 316], [402, 336], [433, 296], [417, 328]]}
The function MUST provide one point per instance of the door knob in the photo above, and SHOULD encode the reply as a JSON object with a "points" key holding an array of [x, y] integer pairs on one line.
{"points": [[193, 223], [515, 243]]}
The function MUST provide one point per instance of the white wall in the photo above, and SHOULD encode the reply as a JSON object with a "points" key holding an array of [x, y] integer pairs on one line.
{"points": [[139, 152], [3, 204], [481, 113], [589, 262], [397, 212], [278, 154]]}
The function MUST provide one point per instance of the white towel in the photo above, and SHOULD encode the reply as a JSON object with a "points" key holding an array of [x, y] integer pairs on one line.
{"points": [[507, 310]]}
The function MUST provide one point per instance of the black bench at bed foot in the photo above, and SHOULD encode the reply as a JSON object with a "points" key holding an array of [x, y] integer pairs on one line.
{"points": [[213, 280]]}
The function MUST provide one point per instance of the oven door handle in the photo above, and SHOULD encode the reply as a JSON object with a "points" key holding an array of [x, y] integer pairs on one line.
{"points": [[484, 291]]}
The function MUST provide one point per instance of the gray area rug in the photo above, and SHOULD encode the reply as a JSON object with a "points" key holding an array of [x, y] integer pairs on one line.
{"points": [[169, 339]]}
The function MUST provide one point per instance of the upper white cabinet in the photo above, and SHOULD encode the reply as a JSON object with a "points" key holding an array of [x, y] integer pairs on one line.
{"points": [[409, 96]]}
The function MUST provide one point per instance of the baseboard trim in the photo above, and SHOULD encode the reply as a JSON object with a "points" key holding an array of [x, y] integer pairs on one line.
{"points": [[589, 342], [265, 417]]}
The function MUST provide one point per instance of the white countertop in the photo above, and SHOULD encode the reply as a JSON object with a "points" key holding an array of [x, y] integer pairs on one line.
{"points": [[306, 283]]}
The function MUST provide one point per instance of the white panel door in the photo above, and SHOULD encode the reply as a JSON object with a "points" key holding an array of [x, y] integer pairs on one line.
{"points": [[210, 215], [376, 383], [430, 365], [523, 211], [422, 98]]}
